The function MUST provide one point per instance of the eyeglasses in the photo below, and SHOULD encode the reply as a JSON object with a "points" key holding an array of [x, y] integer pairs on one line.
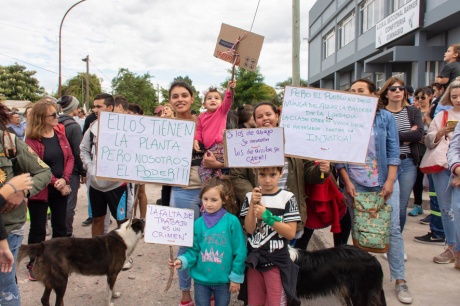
{"points": [[54, 115], [420, 98], [394, 88]]}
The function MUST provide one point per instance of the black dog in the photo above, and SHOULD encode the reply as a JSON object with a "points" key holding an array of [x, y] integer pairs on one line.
{"points": [[55, 259], [346, 271]]}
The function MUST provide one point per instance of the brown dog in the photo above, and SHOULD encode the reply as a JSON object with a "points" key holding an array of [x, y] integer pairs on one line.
{"points": [[55, 259]]}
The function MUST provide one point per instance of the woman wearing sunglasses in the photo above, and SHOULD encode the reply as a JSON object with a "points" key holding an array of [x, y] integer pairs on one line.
{"points": [[393, 96], [422, 98], [53, 148]]}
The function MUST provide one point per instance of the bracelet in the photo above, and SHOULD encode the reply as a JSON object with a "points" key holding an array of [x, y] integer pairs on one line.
{"points": [[12, 186]]}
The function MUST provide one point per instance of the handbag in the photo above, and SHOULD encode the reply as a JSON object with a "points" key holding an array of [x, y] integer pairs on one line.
{"points": [[371, 222], [435, 159]]}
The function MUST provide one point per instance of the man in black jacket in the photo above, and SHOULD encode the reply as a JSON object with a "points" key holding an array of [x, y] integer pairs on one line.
{"points": [[69, 105]]}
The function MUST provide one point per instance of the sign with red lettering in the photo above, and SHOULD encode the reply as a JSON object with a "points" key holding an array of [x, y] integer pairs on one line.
{"points": [[254, 148]]}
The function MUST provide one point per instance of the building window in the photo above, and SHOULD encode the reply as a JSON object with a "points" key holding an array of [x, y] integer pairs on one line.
{"points": [[347, 30], [329, 44], [371, 13], [379, 79], [397, 4], [431, 71]]}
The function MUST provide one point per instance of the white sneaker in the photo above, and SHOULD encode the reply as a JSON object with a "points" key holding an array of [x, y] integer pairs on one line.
{"points": [[128, 264], [385, 256], [404, 295]]}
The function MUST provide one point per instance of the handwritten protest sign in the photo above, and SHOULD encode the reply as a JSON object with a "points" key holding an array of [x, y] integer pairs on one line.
{"points": [[329, 125], [249, 148], [144, 149], [169, 225]]}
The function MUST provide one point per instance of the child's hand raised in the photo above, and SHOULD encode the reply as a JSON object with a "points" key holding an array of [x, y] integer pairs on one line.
{"points": [[177, 264], [230, 85]]}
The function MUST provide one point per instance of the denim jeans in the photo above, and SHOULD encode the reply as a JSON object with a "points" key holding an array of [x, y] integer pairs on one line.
{"points": [[72, 202], [435, 213], [444, 195], [185, 198], [203, 295], [406, 177], [456, 209], [9, 291], [396, 249]]}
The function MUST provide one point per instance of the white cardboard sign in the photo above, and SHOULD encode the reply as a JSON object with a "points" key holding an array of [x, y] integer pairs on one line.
{"points": [[250, 148], [144, 149], [169, 225], [326, 124]]}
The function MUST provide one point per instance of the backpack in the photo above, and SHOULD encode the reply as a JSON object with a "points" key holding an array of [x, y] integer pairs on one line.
{"points": [[62, 125], [371, 222]]}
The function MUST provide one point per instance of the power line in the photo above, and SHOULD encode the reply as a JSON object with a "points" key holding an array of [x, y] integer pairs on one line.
{"points": [[99, 70], [17, 59], [27, 29]]}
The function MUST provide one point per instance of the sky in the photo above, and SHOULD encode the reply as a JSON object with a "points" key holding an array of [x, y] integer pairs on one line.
{"points": [[163, 38]]}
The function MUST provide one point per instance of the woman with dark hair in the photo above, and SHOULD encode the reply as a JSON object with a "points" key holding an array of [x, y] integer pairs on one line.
{"points": [[296, 172], [379, 174], [16, 157], [245, 117], [52, 147], [422, 98], [181, 99], [393, 97]]}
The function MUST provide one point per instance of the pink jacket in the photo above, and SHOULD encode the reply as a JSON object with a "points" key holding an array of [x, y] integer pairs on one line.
{"points": [[39, 148], [210, 126]]}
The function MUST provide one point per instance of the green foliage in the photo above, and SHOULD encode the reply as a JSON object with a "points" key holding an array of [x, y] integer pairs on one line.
{"points": [[76, 87], [197, 100], [250, 87], [18, 84], [136, 88], [280, 87]]}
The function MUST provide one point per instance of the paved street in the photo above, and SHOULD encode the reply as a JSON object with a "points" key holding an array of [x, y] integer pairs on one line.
{"points": [[430, 283]]}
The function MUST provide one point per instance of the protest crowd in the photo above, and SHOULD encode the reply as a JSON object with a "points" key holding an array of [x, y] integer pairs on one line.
{"points": [[246, 219]]}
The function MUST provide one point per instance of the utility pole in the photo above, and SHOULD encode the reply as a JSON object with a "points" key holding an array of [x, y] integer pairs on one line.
{"points": [[295, 42], [86, 59], [60, 48]]}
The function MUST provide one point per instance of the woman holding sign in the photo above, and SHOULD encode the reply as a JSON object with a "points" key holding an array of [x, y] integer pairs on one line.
{"points": [[296, 172], [181, 99], [380, 175]]}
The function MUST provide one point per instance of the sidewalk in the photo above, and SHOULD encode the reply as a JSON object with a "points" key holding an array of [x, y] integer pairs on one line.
{"points": [[430, 283]]}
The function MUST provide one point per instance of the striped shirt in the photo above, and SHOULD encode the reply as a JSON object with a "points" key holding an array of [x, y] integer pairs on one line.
{"points": [[403, 124]]}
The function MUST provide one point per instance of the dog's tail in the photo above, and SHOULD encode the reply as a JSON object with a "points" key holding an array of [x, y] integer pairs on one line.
{"points": [[31, 250]]}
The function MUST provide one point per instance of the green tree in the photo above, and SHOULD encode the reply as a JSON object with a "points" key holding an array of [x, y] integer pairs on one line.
{"points": [[250, 87], [76, 87], [18, 84], [280, 87], [136, 88], [198, 101]]}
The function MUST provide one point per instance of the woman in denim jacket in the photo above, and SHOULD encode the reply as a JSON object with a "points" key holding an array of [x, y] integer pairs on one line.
{"points": [[380, 175]]}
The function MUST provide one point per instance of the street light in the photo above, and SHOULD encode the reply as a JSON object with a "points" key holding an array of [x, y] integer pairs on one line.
{"points": [[60, 55]]}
